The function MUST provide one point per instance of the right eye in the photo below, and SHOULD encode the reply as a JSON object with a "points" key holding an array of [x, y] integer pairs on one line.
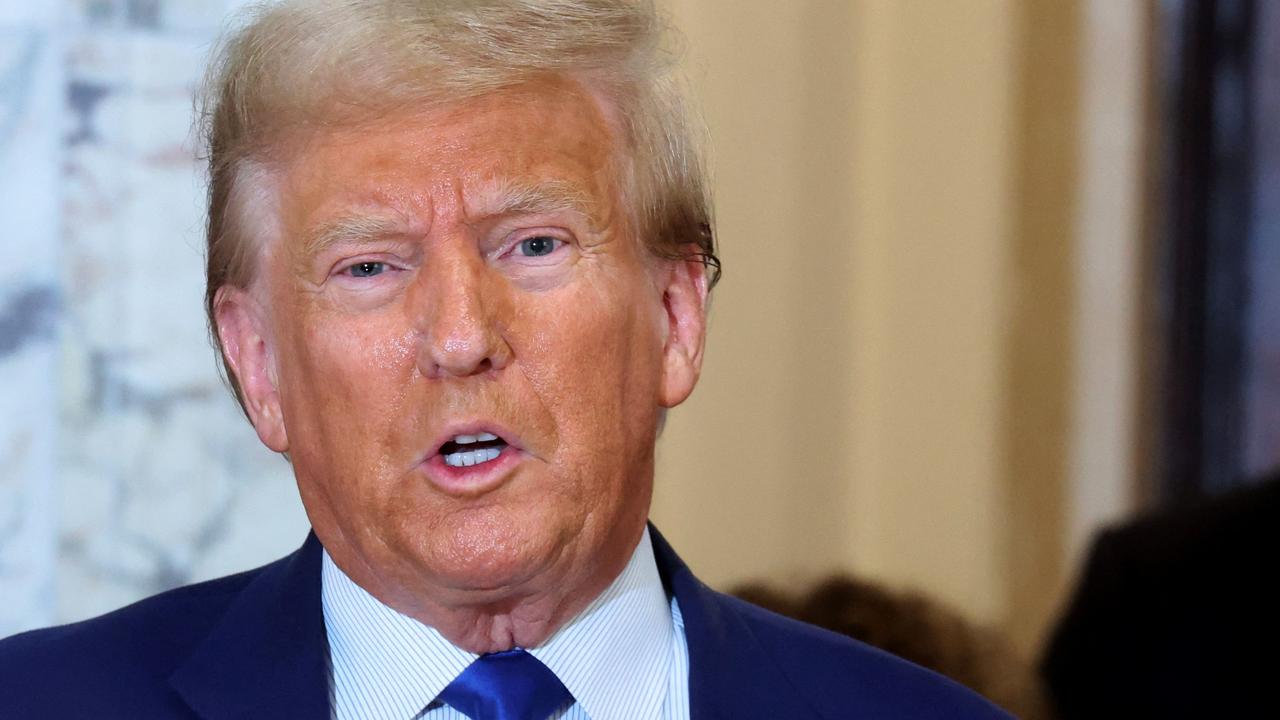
{"points": [[366, 269], [539, 246]]}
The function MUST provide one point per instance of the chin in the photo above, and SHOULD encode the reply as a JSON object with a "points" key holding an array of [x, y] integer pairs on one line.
{"points": [[492, 557], [491, 576]]}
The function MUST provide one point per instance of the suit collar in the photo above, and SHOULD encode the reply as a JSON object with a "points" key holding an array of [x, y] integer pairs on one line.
{"points": [[382, 657], [730, 674], [267, 657]]}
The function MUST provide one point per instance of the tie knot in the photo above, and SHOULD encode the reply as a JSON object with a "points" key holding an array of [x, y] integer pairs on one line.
{"points": [[511, 685]]}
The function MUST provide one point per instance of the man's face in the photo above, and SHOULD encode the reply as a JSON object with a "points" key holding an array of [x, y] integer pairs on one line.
{"points": [[465, 350]]}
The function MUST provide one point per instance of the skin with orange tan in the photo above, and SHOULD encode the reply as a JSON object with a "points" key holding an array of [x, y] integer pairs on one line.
{"points": [[454, 271]]}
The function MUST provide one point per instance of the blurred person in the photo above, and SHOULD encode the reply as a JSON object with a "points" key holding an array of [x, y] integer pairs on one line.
{"points": [[914, 627], [459, 256], [1176, 615]]}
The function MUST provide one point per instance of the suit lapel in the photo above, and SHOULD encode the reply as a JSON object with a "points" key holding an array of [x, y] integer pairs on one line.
{"points": [[268, 656], [730, 674]]}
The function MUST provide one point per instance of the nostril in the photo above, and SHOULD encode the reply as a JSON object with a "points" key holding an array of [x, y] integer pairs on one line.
{"points": [[461, 357]]}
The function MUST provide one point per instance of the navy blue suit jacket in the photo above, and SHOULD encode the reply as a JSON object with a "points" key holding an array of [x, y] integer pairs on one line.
{"points": [[253, 645]]}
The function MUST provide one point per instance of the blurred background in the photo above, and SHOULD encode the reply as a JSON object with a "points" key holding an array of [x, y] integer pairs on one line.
{"points": [[998, 273]]}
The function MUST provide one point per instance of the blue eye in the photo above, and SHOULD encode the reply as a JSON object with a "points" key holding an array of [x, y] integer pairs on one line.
{"points": [[366, 269], [538, 246]]}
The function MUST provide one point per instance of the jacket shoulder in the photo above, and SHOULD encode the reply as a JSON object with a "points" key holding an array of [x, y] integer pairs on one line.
{"points": [[120, 659], [837, 673]]}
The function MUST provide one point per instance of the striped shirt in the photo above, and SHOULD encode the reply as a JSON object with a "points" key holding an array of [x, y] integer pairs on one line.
{"points": [[623, 658]]}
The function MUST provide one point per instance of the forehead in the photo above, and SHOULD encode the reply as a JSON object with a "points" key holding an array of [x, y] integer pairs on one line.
{"points": [[464, 158]]}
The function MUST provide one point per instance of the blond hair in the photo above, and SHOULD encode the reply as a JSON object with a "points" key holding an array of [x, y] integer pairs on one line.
{"points": [[302, 66]]}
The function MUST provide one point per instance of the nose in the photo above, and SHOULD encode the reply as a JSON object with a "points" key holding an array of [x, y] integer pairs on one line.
{"points": [[458, 306]]}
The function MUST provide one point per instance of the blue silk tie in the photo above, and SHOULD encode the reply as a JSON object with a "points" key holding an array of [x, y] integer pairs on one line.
{"points": [[511, 685]]}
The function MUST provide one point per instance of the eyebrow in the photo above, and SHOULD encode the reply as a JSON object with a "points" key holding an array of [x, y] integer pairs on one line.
{"points": [[355, 228], [539, 198], [505, 199]]}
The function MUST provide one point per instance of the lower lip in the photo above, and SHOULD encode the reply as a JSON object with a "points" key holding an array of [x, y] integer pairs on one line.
{"points": [[472, 479]]}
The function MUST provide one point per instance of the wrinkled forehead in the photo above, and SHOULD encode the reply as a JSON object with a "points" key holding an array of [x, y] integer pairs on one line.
{"points": [[533, 148]]}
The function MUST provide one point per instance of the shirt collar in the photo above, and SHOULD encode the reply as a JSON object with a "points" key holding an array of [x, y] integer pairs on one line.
{"points": [[614, 656]]}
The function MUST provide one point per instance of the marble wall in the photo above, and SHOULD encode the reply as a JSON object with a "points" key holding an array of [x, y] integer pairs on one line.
{"points": [[125, 466]]}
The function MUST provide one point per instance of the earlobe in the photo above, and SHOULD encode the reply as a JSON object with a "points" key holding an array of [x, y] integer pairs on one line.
{"points": [[241, 328], [685, 301]]}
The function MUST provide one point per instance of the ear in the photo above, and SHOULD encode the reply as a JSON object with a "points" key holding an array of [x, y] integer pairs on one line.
{"points": [[684, 297], [242, 330]]}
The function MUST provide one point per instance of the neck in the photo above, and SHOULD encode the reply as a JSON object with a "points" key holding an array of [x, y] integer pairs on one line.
{"points": [[494, 627], [498, 619]]}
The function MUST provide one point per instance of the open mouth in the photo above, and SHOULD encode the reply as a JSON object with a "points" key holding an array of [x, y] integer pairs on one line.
{"points": [[468, 450]]}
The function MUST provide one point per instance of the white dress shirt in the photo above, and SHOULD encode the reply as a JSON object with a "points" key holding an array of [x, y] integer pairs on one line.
{"points": [[623, 658]]}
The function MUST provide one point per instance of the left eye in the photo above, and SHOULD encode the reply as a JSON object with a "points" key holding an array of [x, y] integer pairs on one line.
{"points": [[539, 246], [366, 269]]}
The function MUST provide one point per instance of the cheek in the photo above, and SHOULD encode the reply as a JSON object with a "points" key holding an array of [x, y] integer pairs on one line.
{"points": [[343, 384], [393, 352], [595, 363], [354, 355]]}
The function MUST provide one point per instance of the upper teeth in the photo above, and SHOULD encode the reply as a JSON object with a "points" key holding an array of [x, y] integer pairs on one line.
{"points": [[465, 458], [468, 439]]}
